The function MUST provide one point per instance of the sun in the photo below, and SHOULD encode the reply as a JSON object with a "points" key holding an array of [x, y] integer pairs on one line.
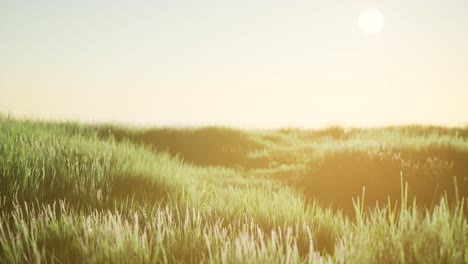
{"points": [[371, 21]]}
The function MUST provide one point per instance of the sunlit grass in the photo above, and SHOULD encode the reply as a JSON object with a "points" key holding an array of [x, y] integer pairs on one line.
{"points": [[77, 193]]}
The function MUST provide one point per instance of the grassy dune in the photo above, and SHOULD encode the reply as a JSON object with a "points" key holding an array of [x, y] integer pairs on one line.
{"points": [[91, 194]]}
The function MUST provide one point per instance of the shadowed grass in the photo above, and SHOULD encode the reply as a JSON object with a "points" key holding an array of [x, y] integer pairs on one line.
{"points": [[207, 146]]}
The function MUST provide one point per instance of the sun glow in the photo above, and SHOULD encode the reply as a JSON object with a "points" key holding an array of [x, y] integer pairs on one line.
{"points": [[250, 64], [371, 21]]}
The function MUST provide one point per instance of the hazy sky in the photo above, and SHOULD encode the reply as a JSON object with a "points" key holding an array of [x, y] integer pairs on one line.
{"points": [[243, 63]]}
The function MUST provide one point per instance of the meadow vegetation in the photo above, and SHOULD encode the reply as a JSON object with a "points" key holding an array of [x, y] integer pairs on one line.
{"points": [[76, 193]]}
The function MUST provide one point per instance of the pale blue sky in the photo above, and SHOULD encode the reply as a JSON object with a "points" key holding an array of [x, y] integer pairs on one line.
{"points": [[236, 63]]}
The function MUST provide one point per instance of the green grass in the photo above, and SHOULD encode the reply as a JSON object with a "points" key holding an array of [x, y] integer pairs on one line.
{"points": [[75, 193]]}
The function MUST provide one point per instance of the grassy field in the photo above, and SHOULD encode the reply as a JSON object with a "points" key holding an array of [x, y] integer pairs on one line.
{"points": [[76, 193]]}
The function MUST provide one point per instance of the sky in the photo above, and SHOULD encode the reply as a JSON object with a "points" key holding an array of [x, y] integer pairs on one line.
{"points": [[244, 63]]}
